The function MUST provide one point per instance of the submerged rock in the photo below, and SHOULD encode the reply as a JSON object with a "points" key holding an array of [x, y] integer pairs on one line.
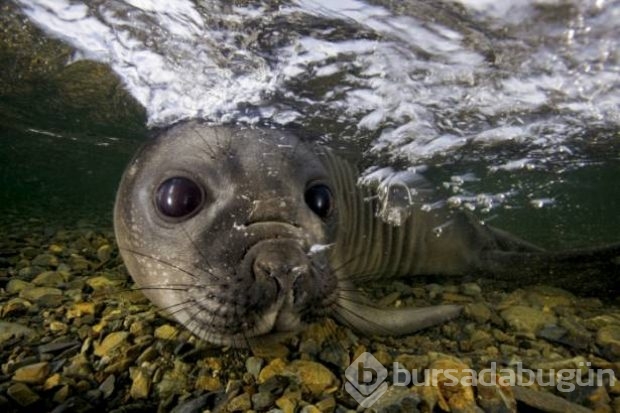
{"points": [[33, 373], [527, 319], [608, 338]]}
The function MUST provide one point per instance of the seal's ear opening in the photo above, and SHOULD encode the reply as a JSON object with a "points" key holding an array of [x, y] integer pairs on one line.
{"points": [[178, 198], [320, 200]]}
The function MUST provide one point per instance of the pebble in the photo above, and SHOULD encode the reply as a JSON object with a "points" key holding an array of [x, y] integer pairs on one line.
{"points": [[208, 383], [527, 319], [110, 342], [284, 406], [50, 300], [309, 409], [57, 346], [50, 279], [392, 399], [270, 350], [275, 367], [107, 386], [101, 282], [471, 289], [335, 355], [58, 327], [608, 338], [36, 293], [263, 400], [22, 394], [52, 381], [478, 311], [45, 260], [81, 309], [601, 320], [545, 296], [546, 402], [253, 365], [314, 377], [241, 403], [56, 249], [288, 402], [481, 339], [274, 385], [166, 332], [195, 405], [32, 373], [109, 350], [15, 306], [29, 272], [141, 383], [494, 397], [29, 252], [10, 330], [16, 285], [327, 404], [457, 397], [174, 381], [104, 253], [62, 394]]}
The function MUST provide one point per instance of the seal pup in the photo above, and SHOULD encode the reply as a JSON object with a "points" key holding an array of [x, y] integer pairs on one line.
{"points": [[240, 233]]}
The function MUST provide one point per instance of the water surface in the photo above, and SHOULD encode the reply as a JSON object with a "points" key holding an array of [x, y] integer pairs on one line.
{"points": [[511, 110]]}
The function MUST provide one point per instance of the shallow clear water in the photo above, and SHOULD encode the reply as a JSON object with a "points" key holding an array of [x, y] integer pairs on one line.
{"points": [[509, 109]]}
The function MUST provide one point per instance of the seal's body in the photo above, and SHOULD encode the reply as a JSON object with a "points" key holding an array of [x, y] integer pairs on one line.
{"points": [[238, 233]]}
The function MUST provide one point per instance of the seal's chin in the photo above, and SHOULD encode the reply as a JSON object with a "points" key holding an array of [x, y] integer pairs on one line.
{"points": [[279, 318]]}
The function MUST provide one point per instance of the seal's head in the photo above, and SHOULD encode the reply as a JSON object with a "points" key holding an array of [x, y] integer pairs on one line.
{"points": [[217, 226]]}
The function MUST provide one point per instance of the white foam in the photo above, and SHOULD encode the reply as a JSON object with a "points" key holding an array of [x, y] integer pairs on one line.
{"points": [[419, 87]]}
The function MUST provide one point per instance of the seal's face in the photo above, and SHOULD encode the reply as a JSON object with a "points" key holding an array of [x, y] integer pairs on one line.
{"points": [[217, 226]]}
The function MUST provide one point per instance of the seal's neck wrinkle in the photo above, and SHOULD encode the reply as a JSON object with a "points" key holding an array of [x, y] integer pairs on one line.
{"points": [[363, 243], [368, 247]]}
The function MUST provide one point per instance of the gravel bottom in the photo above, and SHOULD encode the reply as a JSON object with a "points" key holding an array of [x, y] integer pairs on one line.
{"points": [[75, 337]]}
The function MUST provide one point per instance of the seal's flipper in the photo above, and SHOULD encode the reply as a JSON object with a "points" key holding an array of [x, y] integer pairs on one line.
{"points": [[366, 318], [583, 271]]}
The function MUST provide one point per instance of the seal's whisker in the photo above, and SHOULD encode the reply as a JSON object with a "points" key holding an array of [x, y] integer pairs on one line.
{"points": [[359, 277], [202, 255], [207, 149], [246, 339], [344, 264], [176, 267], [181, 306], [161, 261], [193, 325], [239, 349]]}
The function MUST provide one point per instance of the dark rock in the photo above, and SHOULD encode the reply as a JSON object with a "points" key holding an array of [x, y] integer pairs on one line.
{"points": [[198, 404], [263, 400]]}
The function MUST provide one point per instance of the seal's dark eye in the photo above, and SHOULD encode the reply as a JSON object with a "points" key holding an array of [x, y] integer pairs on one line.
{"points": [[178, 197], [319, 199]]}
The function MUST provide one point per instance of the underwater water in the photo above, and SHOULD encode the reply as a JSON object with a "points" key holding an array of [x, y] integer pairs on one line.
{"points": [[510, 110]]}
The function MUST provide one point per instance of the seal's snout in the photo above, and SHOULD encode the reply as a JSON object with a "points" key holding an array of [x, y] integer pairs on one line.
{"points": [[278, 265]]}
